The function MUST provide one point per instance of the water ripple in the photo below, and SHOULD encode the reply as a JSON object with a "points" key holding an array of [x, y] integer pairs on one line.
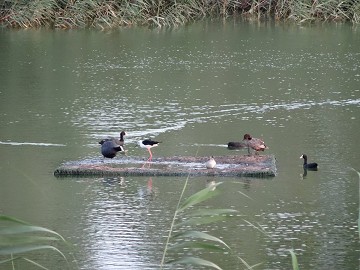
{"points": [[30, 143], [152, 120]]}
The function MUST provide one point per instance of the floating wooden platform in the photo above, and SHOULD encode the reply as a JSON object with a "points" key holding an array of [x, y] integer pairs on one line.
{"points": [[235, 166]]}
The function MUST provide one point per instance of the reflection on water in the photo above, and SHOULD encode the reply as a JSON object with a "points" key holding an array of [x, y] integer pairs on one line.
{"points": [[226, 82], [306, 233], [114, 181], [195, 89], [31, 143], [173, 120], [117, 224], [304, 174]]}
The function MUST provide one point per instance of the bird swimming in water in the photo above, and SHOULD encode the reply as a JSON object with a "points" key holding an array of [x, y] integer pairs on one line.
{"points": [[248, 142], [211, 163], [306, 165]]}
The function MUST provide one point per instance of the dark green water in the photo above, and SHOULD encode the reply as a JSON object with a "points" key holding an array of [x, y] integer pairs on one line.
{"points": [[193, 88]]}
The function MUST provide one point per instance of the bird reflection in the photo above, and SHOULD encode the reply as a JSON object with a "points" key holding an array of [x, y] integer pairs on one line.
{"points": [[304, 174], [247, 184], [148, 192], [111, 181]]}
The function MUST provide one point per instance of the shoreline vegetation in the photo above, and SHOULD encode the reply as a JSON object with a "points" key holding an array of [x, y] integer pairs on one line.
{"points": [[108, 14]]}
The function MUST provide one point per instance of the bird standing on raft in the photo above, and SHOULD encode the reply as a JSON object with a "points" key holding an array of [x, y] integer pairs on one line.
{"points": [[110, 146], [211, 163], [306, 165], [248, 142], [120, 141], [148, 144]]}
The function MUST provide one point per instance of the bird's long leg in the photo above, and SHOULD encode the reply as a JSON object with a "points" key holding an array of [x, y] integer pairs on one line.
{"points": [[149, 159]]}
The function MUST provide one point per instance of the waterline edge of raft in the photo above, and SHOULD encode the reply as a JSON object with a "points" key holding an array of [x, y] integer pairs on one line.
{"points": [[235, 166]]}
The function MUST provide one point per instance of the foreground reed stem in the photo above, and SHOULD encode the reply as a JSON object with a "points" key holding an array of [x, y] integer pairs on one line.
{"points": [[175, 216]]}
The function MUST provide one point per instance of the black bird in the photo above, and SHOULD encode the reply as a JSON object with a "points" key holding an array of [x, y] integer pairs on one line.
{"points": [[308, 165], [120, 141], [109, 148]]}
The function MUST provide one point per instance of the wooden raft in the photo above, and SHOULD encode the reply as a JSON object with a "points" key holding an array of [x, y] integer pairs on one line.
{"points": [[235, 166]]}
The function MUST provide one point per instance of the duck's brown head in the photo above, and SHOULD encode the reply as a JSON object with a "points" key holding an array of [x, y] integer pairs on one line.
{"points": [[247, 137]]}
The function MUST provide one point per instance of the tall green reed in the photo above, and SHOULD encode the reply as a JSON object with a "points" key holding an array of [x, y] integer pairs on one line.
{"points": [[182, 235], [19, 238], [201, 216], [294, 261]]}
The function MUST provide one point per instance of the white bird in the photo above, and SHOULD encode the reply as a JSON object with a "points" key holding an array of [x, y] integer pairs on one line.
{"points": [[211, 163]]}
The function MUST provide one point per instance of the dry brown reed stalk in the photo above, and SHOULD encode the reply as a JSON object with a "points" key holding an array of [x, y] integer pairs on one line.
{"points": [[160, 13]]}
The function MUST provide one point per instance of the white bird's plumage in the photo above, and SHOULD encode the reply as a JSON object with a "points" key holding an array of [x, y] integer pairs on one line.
{"points": [[211, 163]]}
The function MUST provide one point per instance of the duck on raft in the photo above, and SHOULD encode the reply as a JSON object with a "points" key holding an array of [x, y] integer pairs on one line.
{"points": [[248, 142], [111, 146]]}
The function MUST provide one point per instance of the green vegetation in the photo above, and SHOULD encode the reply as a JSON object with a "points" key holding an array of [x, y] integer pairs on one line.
{"points": [[183, 236], [294, 260], [18, 239], [103, 14]]}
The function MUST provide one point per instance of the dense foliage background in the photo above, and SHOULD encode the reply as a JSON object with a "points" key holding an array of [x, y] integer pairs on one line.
{"points": [[157, 13]]}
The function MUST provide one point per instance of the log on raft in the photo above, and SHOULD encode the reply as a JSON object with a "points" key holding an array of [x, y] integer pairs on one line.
{"points": [[234, 166]]}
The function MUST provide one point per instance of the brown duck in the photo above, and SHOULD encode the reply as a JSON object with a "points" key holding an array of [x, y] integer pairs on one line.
{"points": [[248, 142]]}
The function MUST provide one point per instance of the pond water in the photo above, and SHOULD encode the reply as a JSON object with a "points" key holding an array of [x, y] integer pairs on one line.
{"points": [[194, 88]]}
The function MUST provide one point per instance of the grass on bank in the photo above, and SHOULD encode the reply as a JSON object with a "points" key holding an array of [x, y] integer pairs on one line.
{"points": [[108, 14]]}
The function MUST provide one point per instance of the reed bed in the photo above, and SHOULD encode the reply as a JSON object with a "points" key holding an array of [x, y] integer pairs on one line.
{"points": [[108, 14]]}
